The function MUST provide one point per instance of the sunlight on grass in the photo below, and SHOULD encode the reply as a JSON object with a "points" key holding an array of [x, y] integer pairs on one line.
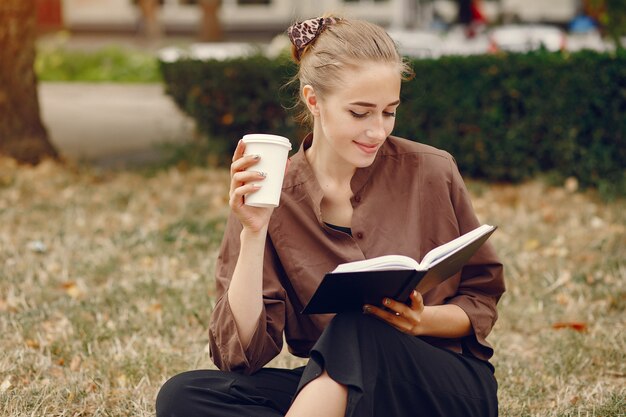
{"points": [[108, 64], [106, 290]]}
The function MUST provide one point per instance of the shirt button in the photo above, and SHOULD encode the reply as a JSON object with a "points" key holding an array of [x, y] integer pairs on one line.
{"points": [[359, 235]]}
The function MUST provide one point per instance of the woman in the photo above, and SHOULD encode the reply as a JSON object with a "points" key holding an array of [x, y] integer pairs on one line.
{"points": [[351, 192]]}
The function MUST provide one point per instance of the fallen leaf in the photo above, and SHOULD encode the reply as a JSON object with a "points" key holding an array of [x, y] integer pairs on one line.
{"points": [[6, 384], [72, 289], [32, 343], [549, 213], [563, 299], [122, 381], [155, 308], [56, 372], [75, 364], [56, 328], [579, 326]]}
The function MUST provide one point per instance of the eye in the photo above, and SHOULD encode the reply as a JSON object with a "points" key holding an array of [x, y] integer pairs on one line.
{"points": [[389, 114], [358, 115]]}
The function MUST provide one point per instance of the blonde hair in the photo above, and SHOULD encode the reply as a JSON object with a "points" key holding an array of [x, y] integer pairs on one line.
{"points": [[341, 46]]}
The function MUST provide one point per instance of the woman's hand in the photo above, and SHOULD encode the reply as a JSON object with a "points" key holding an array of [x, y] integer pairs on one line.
{"points": [[407, 319], [255, 219]]}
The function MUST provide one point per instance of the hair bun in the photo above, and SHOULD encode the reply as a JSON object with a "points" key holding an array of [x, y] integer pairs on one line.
{"points": [[303, 34], [295, 55]]}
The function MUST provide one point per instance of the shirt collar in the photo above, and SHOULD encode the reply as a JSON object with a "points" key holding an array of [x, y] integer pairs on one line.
{"points": [[301, 173]]}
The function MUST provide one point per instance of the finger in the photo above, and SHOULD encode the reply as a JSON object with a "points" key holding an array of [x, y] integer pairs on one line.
{"points": [[239, 150], [243, 177], [389, 317], [243, 163], [395, 306], [237, 195], [417, 301], [378, 312]]}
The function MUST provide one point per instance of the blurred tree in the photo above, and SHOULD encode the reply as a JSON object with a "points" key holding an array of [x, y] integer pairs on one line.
{"points": [[210, 27], [22, 134], [151, 26], [611, 14]]}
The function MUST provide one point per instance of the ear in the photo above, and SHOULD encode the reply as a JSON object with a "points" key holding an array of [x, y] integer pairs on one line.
{"points": [[311, 100]]}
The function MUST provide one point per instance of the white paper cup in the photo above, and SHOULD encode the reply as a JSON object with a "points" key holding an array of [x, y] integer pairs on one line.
{"points": [[274, 151]]}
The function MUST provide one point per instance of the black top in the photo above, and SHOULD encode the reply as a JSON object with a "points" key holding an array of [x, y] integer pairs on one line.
{"points": [[340, 228]]}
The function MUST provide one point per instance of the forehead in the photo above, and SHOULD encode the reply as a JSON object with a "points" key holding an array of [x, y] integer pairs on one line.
{"points": [[374, 82]]}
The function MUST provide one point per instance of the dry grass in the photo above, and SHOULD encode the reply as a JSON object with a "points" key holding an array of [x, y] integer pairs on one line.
{"points": [[106, 291]]}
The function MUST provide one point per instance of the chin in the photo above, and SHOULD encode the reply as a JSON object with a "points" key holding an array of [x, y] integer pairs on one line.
{"points": [[364, 162]]}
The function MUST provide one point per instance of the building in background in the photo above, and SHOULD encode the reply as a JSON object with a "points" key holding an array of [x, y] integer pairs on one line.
{"points": [[184, 16]]}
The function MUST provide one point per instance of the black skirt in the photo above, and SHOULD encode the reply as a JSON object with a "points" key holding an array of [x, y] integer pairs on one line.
{"points": [[387, 372]]}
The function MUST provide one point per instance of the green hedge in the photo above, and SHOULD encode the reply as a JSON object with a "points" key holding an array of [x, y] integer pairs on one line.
{"points": [[231, 98], [504, 117]]}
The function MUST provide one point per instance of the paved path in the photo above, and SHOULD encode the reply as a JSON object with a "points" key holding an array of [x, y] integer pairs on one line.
{"points": [[111, 123]]}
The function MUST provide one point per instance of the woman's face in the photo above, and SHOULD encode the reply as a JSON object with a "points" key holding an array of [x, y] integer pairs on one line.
{"points": [[355, 120]]}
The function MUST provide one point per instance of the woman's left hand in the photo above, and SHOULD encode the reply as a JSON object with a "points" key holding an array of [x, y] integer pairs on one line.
{"points": [[407, 319]]}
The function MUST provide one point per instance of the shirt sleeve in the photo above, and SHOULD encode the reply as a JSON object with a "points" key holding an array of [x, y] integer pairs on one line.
{"points": [[482, 279], [226, 349]]}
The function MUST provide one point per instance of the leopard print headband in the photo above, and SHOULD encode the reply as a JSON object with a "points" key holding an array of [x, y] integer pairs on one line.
{"points": [[304, 33]]}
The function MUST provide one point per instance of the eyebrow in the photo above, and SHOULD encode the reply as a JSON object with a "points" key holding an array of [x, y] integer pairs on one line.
{"points": [[365, 104]]}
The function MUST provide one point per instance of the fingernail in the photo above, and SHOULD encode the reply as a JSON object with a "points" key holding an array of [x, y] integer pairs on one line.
{"points": [[386, 301], [262, 174], [255, 157], [366, 309]]}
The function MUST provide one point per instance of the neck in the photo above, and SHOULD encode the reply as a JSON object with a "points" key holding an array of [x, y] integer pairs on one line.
{"points": [[330, 169]]}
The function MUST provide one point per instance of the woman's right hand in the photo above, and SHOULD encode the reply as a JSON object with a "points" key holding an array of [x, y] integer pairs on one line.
{"points": [[255, 219]]}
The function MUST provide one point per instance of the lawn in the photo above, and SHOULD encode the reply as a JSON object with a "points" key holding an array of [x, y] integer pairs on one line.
{"points": [[106, 290]]}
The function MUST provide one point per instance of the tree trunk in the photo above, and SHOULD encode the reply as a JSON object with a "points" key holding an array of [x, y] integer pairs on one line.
{"points": [[210, 28], [150, 19], [22, 134]]}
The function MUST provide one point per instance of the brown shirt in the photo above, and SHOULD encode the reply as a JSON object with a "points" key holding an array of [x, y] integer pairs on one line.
{"points": [[410, 200]]}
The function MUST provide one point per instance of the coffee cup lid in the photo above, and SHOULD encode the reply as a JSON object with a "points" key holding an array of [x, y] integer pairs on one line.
{"points": [[267, 138]]}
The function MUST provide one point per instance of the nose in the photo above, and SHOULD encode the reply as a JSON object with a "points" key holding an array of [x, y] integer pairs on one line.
{"points": [[377, 129]]}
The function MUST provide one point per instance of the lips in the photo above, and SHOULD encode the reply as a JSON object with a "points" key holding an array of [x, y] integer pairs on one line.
{"points": [[367, 148]]}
